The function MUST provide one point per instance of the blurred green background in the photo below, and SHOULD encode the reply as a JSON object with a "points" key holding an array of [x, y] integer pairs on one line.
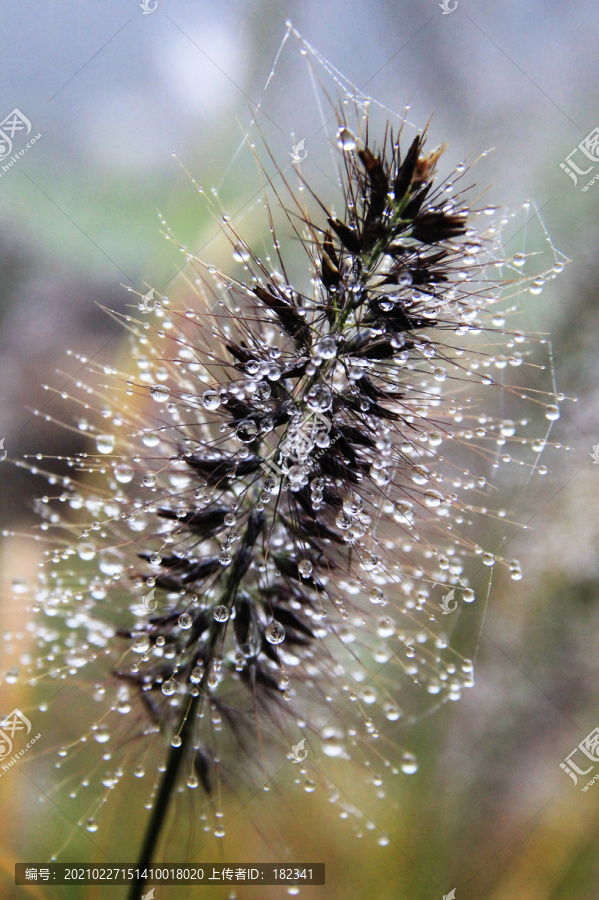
{"points": [[114, 93]]}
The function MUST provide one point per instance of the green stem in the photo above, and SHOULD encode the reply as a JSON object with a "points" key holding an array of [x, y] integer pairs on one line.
{"points": [[178, 754], [165, 792]]}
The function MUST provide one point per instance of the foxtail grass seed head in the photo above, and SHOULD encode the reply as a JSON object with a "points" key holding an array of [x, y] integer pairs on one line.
{"points": [[288, 478]]}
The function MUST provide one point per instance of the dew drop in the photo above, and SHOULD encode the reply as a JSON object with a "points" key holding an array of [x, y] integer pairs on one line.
{"points": [[160, 393], [86, 551], [221, 613], [420, 474], [274, 633], [102, 734], [319, 398], [169, 687], [346, 140], [552, 413], [409, 764], [352, 504], [105, 443], [123, 474], [211, 400], [185, 621], [247, 431], [305, 568]]}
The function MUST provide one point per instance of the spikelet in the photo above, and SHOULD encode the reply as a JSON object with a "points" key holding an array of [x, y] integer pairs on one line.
{"points": [[287, 497]]}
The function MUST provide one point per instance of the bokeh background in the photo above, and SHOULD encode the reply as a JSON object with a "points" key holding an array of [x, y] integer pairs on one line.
{"points": [[114, 94]]}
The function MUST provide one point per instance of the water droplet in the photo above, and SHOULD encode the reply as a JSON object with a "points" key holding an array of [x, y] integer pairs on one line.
{"points": [[123, 474], [247, 431], [552, 413], [211, 400], [221, 613], [230, 520], [240, 253], [91, 825], [149, 480], [346, 140], [141, 643], [392, 713], [343, 520], [185, 621], [319, 398], [327, 348], [176, 741], [468, 595], [420, 474], [305, 568], [409, 764], [150, 439], [169, 687], [160, 393], [86, 551], [353, 504], [376, 596], [262, 392], [105, 443], [274, 633]]}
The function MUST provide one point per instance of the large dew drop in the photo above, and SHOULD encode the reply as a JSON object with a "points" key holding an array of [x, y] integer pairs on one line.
{"points": [[221, 613], [274, 633], [346, 140], [105, 443], [160, 393], [210, 400]]}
